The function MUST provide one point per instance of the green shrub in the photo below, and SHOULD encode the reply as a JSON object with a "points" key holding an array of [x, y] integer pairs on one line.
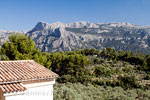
{"points": [[102, 70], [77, 91], [128, 82]]}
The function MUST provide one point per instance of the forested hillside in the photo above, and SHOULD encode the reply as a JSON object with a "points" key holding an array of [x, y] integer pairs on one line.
{"points": [[88, 73]]}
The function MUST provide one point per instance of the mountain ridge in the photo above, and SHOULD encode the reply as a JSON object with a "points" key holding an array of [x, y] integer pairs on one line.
{"points": [[59, 36]]}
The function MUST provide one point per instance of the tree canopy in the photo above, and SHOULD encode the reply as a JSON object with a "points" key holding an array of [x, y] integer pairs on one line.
{"points": [[106, 67]]}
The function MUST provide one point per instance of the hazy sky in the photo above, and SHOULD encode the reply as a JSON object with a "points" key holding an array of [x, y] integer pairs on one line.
{"points": [[24, 14]]}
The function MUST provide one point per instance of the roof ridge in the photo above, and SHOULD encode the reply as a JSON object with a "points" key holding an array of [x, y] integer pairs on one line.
{"points": [[16, 61]]}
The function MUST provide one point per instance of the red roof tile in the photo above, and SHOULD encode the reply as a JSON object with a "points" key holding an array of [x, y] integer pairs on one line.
{"points": [[14, 72], [12, 87], [23, 70]]}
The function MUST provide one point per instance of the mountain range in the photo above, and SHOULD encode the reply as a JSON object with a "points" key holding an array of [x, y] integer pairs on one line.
{"points": [[79, 35]]}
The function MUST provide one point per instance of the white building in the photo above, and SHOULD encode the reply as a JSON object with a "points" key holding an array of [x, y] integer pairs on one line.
{"points": [[25, 80]]}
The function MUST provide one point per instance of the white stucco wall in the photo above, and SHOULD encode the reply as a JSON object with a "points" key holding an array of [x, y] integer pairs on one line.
{"points": [[34, 92]]}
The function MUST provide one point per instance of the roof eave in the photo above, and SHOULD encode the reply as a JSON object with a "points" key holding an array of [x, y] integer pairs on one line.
{"points": [[27, 80]]}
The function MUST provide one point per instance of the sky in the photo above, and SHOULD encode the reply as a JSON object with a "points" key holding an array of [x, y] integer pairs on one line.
{"points": [[20, 15]]}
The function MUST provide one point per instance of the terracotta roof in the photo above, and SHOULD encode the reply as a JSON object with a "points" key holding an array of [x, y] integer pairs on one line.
{"points": [[12, 73], [12, 87], [23, 70]]}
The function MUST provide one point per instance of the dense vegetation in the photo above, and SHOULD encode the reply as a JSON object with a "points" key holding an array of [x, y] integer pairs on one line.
{"points": [[99, 73], [79, 91]]}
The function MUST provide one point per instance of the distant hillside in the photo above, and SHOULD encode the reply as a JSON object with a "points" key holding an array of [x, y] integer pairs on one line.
{"points": [[67, 37], [4, 35]]}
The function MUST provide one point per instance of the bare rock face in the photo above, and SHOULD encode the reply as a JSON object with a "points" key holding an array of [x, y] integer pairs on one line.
{"points": [[63, 37], [83, 24], [41, 26], [79, 35], [4, 35], [52, 37]]}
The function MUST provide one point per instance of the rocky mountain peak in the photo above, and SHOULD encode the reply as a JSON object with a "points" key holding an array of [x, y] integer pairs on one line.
{"points": [[78, 35], [58, 25], [123, 24], [41, 26], [83, 24]]}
